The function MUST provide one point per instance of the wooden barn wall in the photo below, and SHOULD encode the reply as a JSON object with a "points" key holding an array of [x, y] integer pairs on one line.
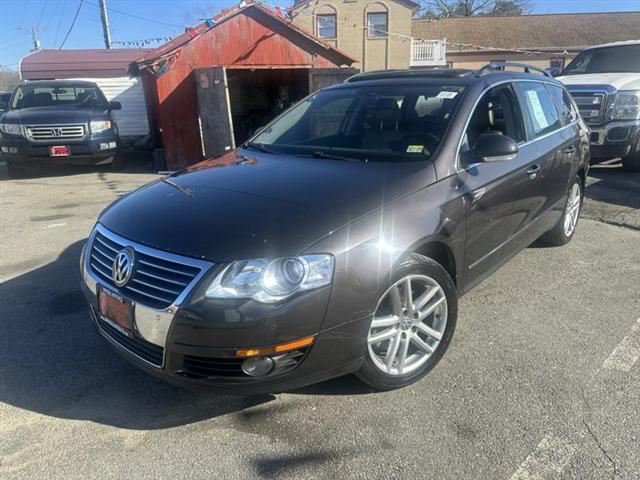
{"points": [[248, 39]]}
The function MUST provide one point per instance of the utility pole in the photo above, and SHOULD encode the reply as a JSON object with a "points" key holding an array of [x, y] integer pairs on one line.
{"points": [[33, 30], [104, 16]]}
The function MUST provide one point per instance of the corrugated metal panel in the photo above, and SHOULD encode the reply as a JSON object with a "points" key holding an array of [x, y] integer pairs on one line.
{"points": [[252, 38], [132, 120], [54, 64]]}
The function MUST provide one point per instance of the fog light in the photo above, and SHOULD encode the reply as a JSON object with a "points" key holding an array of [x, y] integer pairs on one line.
{"points": [[13, 149], [5, 150], [257, 366], [112, 144], [104, 146]]}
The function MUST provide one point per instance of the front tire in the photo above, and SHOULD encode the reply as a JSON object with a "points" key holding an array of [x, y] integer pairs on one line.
{"points": [[631, 161], [14, 171], [412, 325], [563, 232]]}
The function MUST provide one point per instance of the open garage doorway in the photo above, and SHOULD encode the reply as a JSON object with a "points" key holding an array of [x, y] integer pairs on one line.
{"points": [[234, 102], [257, 96]]}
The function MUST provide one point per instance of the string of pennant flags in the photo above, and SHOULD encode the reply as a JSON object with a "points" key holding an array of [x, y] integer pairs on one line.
{"points": [[164, 64]]}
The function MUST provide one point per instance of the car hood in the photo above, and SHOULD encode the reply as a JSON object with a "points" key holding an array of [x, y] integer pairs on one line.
{"points": [[620, 81], [252, 205], [51, 115]]}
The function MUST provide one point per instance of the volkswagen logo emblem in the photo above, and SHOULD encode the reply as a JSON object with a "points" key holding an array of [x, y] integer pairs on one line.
{"points": [[56, 132], [122, 267]]}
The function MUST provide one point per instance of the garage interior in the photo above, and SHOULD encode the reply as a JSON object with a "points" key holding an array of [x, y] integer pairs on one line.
{"points": [[256, 96]]}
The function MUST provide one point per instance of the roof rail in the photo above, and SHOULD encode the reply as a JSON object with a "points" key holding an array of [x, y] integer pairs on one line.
{"points": [[417, 73], [500, 66]]}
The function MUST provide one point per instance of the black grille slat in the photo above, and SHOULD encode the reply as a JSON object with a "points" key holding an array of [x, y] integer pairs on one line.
{"points": [[156, 282], [212, 367], [140, 347]]}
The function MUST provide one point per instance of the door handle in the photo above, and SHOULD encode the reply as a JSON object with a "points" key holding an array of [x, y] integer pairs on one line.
{"points": [[570, 149], [533, 171]]}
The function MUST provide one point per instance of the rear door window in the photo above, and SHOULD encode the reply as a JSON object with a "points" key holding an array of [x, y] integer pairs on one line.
{"points": [[564, 103], [539, 108]]}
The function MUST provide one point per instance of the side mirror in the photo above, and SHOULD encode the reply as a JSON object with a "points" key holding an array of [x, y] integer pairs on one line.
{"points": [[495, 147], [113, 105]]}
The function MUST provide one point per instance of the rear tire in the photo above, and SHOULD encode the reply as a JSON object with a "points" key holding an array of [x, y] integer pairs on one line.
{"points": [[413, 343], [563, 232], [14, 171], [631, 161]]}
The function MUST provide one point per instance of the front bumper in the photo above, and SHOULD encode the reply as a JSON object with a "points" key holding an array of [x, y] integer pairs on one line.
{"points": [[613, 139], [193, 342], [90, 150]]}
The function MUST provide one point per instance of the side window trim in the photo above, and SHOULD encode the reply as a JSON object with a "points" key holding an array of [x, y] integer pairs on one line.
{"points": [[563, 120]]}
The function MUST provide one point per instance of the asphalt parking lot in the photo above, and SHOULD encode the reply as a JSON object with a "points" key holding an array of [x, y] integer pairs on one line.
{"points": [[541, 380]]}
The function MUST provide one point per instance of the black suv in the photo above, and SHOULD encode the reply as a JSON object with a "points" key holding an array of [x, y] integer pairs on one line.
{"points": [[59, 122], [340, 237]]}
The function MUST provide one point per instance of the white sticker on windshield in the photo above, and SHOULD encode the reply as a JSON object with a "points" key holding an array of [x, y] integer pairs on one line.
{"points": [[415, 148], [445, 94]]}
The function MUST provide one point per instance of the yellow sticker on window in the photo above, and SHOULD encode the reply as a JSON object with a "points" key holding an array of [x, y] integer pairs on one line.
{"points": [[415, 148]]}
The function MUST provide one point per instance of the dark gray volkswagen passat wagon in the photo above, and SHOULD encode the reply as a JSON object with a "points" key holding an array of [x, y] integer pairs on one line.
{"points": [[340, 237]]}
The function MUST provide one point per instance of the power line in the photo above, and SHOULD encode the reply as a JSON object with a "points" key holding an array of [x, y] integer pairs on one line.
{"points": [[64, 6], [73, 22], [137, 16]]}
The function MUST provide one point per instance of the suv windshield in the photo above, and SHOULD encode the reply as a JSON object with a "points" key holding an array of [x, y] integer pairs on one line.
{"points": [[29, 96], [385, 123], [625, 58]]}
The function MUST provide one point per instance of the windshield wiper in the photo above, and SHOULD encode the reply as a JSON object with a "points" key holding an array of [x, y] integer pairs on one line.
{"points": [[260, 147], [333, 156]]}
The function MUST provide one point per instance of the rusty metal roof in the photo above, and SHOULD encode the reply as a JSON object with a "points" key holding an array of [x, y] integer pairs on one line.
{"points": [[227, 14], [91, 63]]}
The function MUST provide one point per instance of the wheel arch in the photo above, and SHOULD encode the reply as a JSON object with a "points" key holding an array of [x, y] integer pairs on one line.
{"points": [[439, 251]]}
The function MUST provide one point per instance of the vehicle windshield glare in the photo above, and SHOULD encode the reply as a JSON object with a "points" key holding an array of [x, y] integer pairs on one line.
{"points": [[381, 123], [30, 96], [621, 59]]}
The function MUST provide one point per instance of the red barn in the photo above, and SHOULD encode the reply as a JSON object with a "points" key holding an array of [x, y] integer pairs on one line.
{"points": [[213, 86]]}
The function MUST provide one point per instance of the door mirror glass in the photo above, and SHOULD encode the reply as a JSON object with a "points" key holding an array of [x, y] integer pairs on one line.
{"points": [[495, 147], [113, 105]]}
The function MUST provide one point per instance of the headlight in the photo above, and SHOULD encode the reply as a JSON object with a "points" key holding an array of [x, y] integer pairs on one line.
{"points": [[11, 128], [269, 281], [627, 106], [98, 126]]}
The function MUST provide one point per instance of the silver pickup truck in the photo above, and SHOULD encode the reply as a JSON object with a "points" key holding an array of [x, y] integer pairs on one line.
{"points": [[605, 83]]}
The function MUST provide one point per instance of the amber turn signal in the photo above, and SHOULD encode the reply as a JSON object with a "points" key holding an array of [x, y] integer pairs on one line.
{"points": [[283, 347]]}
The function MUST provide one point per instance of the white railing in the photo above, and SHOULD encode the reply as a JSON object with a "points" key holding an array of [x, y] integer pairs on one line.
{"points": [[428, 53]]}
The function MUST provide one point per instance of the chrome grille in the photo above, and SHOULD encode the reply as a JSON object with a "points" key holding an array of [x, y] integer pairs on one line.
{"points": [[55, 132], [157, 279], [592, 106]]}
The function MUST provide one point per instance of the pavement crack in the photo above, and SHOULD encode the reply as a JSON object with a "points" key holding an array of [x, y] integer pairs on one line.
{"points": [[614, 465]]}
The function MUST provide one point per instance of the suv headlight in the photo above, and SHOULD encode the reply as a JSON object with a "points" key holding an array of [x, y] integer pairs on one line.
{"points": [[11, 128], [626, 105], [270, 281], [98, 126]]}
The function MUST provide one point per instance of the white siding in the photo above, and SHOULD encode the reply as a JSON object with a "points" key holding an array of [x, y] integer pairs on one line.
{"points": [[132, 120]]}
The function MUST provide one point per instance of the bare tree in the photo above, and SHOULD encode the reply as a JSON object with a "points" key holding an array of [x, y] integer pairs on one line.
{"points": [[470, 8], [8, 78]]}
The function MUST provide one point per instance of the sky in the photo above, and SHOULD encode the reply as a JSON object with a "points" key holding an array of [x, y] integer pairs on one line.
{"points": [[145, 19]]}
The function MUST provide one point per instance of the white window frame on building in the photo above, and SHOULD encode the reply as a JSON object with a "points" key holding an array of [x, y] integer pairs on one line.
{"points": [[326, 17], [374, 30]]}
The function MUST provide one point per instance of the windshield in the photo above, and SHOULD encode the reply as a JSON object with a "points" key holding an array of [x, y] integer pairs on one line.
{"points": [[29, 96], [384, 123], [625, 58]]}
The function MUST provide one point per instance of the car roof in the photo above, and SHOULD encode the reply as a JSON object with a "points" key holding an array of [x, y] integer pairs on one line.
{"points": [[615, 44], [60, 83], [451, 77]]}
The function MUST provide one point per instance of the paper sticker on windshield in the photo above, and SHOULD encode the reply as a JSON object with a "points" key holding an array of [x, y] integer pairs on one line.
{"points": [[415, 148], [445, 94]]}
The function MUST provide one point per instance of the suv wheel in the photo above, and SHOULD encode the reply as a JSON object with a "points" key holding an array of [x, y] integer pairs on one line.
{"points": [[563, 232], [631, 161], [412, 325], [118, 162]]}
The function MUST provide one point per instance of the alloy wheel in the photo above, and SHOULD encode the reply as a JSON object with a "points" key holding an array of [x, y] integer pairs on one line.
{"points": [[572, 210], [408, 325]]}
